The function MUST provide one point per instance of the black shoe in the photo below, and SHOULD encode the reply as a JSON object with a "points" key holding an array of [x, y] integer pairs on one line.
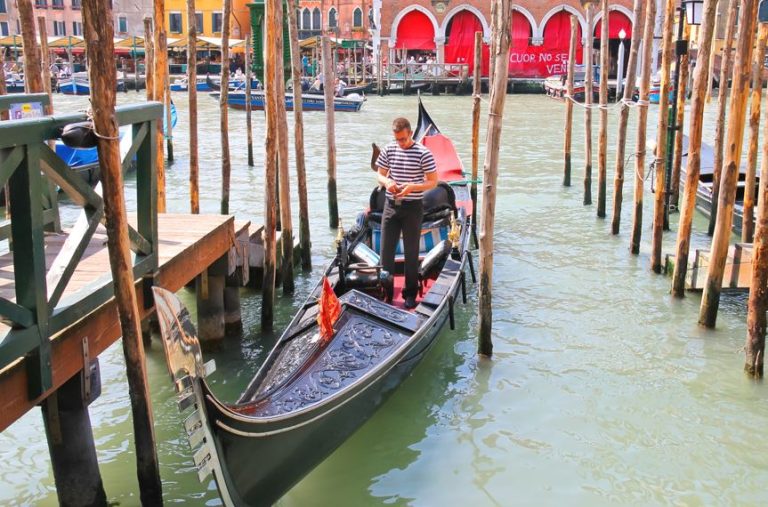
{"points": [[410, 302]]}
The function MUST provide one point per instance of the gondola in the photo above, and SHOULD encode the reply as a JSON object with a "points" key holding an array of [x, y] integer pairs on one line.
{"points": [[706, 178], [348, 90], [314, 390], [350, 104]]}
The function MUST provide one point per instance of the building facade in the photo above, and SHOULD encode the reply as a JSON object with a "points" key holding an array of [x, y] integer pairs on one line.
{"points": [[129, 16], [342, 19], [8, 18], [208, 17]]}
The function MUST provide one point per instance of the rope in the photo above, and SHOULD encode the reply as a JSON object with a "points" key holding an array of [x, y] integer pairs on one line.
{"points": [[89, 114]]}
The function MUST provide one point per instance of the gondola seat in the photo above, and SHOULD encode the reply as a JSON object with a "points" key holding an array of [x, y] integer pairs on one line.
{"points": [[433, 262]]}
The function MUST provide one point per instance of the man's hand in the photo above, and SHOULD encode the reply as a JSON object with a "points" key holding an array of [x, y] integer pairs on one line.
{"points": [[391, 186], [405, 190]]}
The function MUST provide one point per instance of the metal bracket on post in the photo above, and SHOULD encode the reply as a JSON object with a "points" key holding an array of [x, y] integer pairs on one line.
{"points": [[86, 372]]}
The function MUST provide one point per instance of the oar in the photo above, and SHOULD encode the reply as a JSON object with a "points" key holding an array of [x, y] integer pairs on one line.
{"points": [[375, 156]]}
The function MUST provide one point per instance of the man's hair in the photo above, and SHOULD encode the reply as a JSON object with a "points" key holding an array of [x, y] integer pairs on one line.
{"points": [[400, 124]]}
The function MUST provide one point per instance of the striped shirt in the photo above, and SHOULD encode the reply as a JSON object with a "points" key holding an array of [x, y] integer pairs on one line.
{"points": [[407, 166]]}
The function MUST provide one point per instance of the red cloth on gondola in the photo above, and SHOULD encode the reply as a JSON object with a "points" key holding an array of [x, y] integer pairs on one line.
{"points": [[329, 311], [415, 31]]}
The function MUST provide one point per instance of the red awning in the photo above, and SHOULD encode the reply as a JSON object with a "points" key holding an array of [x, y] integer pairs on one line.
{"points": [[415, 31], [617, 22]]}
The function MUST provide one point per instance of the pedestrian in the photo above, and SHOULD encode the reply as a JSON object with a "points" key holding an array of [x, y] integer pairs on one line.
{"points": [[406, 170]]}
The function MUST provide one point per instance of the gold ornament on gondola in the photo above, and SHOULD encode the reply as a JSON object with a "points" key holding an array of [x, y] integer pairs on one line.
{"points": [[340, 234], [455, 233]]}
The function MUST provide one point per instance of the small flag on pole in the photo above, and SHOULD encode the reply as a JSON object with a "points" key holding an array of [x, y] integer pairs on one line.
{"points": [[330, 309]]}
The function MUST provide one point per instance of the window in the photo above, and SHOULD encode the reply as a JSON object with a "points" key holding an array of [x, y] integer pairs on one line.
{"points": [[199, 23], [316, 19], [59, 28], [122, 24], [3, 8], [332, 18], [306, 19], [4, 28], [77, 4], [41, 4], [216, 18], [174, 22], [357, 18], [77, 28], [57, 4]]}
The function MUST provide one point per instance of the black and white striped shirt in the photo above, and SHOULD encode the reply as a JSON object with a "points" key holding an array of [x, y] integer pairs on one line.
{"points": [[407, 166]]}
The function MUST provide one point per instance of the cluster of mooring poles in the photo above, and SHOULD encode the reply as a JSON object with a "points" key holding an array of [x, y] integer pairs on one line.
{"points": [[74, 460], [745, 74]]}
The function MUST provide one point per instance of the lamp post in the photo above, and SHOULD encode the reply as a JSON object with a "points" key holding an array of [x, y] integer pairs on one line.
{"points": [[690, 12], [620, 65]]}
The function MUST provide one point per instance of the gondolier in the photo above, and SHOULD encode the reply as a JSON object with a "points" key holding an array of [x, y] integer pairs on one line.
{"points": [[407, 170]]}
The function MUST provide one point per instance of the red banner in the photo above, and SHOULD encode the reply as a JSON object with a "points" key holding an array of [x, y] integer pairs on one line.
{"points": [[528, 61]]}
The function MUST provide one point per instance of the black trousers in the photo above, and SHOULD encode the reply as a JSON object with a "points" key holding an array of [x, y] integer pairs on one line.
{"points": [[404, 218]]}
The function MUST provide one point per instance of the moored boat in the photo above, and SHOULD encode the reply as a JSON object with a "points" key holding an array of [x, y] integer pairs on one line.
{"points": [[14, 83], [350, 103], [706, 177], [348, 347], [556, 86]]}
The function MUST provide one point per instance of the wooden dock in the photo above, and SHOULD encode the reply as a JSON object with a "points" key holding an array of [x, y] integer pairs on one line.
{"points": [[737, 275], [187, 246]]}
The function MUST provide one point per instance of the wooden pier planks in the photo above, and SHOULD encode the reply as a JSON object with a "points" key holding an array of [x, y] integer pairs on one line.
{"points": [[737, 272], [188, 244]]}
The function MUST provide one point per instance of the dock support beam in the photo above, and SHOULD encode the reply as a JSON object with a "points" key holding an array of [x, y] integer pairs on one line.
{"points": [[70, 441], [233, 318], [211, 305]]}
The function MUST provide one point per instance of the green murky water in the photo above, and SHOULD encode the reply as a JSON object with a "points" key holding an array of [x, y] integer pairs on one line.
{"points": [[602, 390]]}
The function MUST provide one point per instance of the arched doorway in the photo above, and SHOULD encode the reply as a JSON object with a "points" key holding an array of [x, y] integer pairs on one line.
{"points": [[415, 33], [618, 25], [460, 40]]}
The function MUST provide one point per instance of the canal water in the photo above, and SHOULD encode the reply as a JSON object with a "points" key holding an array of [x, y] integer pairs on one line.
{"points": [[602, 389]]}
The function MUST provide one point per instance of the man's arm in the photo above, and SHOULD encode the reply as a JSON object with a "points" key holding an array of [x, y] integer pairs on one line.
{"points": [[385, 181]]}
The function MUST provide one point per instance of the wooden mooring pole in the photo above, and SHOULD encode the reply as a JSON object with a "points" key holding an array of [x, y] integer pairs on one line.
{"points": [[638, 13], [710, 299], [286, 221], [476, 91], [99, 33], [226, 164], [602, 140], [501, 34], [720, 120], [168, 123], [3, 91], [642, 124], [682, 92], [248, 106], [588, 76], [160, 61], [33, 79], [45, 64], [757, 305], [693, 168], [194, 164], [662, 138], [273, 27], [748, 223], [149, 58], [711, 67], [569, 102], [330, 131], [298, 132]]}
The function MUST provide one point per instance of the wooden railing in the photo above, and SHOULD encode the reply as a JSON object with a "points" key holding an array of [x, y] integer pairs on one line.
{"points": [[425, 71], [39, 309]]}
